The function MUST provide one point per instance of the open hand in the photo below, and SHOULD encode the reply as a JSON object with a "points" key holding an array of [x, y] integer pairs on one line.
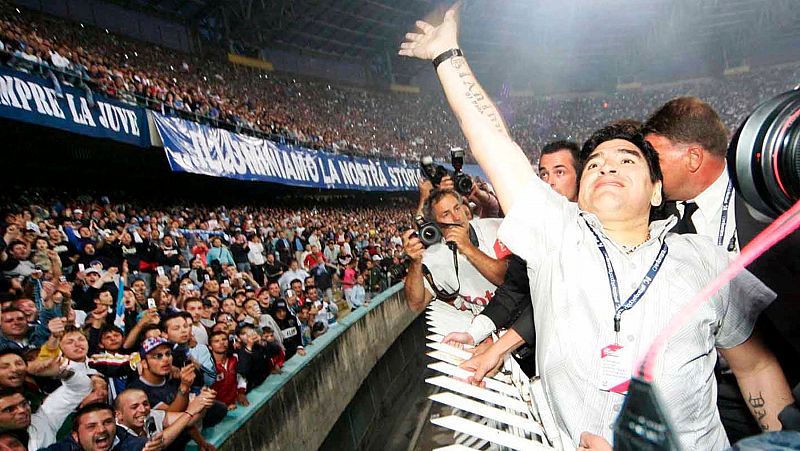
{"points": [[432, 41]]}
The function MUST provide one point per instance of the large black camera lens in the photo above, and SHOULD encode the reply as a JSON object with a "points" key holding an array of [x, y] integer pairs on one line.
{"points": [[764, 155], [463, 184], [429, 234]]}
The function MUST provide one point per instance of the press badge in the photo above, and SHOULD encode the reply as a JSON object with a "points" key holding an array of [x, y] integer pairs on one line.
{"points": [[616, 363]]}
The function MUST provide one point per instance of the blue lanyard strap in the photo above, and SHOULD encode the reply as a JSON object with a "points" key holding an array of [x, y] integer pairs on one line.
{"points": [[637, 295], [723, 220]]}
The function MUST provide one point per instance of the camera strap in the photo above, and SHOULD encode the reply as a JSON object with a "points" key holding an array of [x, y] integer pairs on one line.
{"points": [[441, 294]]}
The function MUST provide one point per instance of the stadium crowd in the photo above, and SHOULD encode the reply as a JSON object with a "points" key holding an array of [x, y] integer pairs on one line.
{"points": [[168, 312], [324, 116]]}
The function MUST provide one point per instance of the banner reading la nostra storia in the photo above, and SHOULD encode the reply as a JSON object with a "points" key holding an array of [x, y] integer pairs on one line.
{"points": [[199, 149]]}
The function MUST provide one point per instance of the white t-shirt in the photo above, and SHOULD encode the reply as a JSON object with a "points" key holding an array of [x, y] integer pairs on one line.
{"points": [[474, 291]]}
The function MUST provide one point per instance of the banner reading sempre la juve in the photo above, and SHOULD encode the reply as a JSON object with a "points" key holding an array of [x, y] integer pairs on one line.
{"points": [[199, 149], [29, 98]]}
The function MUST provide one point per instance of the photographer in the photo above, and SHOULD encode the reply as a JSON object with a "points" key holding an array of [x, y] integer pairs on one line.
{"points": [[465, 270]]}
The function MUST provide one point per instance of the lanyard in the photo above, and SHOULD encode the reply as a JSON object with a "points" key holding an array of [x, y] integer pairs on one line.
{"points": [[637, 295], [723, 220]]}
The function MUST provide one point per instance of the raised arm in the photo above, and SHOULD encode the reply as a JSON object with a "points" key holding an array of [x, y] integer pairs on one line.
{"points": [[500, 158]]}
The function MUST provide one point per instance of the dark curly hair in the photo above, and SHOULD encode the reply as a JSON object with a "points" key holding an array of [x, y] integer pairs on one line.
{"points": [[628, 131]]}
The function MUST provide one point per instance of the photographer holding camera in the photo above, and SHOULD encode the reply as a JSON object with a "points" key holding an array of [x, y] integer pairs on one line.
{"points": [[452, 257], [479, 194]]}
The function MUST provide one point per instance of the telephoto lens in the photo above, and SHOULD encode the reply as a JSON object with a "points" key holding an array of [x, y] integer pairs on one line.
{"points": [[764, 155]]}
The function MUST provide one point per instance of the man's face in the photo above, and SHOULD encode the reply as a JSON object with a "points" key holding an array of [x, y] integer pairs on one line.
{"points": [[313, 295], [129, 300], [297, 287], [15, 412], [14, 324], [558, 170], [274, 290], [212, 286], [302, 315], [88, 249], [616, 185], [74, 346], [99, 391], [196, 310], [28, 307], [138, 286], [219, 344], [12, 371], [92, 277], [96, 431], [134, 408], [55, 235], [168, 241], [105, 298], [9, 442], [159, 361], [229, 306], [179, 330], [449, 211], [270, 259], [293, 266], [252, 309], [20, 251], [111, 340], [674, 159]]}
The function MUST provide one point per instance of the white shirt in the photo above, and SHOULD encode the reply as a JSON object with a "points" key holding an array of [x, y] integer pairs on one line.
{"points": [[708, 216], [56, 407], [289, 275], [256, 253], [474, 290], [574, 312]]}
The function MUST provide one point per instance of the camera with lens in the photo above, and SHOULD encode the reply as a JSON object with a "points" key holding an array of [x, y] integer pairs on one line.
{"points": [[436, 172], [428, 232], [461, 181], [431, 171], [764, 155]]}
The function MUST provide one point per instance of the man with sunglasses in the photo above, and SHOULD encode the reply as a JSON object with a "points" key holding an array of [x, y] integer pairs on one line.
{"points": [[163, 391]]}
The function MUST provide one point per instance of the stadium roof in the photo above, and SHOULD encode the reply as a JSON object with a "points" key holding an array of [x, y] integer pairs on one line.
{"points": [[555, 32]]}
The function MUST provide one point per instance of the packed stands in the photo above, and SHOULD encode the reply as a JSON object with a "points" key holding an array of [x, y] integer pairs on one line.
{"points": [[342, 119]]}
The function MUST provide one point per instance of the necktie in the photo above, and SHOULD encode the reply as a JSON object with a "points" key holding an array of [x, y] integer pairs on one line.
{"points": [[684, 225]]}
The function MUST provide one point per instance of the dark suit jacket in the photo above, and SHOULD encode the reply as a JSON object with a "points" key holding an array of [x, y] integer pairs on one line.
{"points": [[777, 268], [511, 303]]}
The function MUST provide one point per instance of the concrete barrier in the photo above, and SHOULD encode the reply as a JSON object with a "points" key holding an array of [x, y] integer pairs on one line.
{"points": [[296, 410]]}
